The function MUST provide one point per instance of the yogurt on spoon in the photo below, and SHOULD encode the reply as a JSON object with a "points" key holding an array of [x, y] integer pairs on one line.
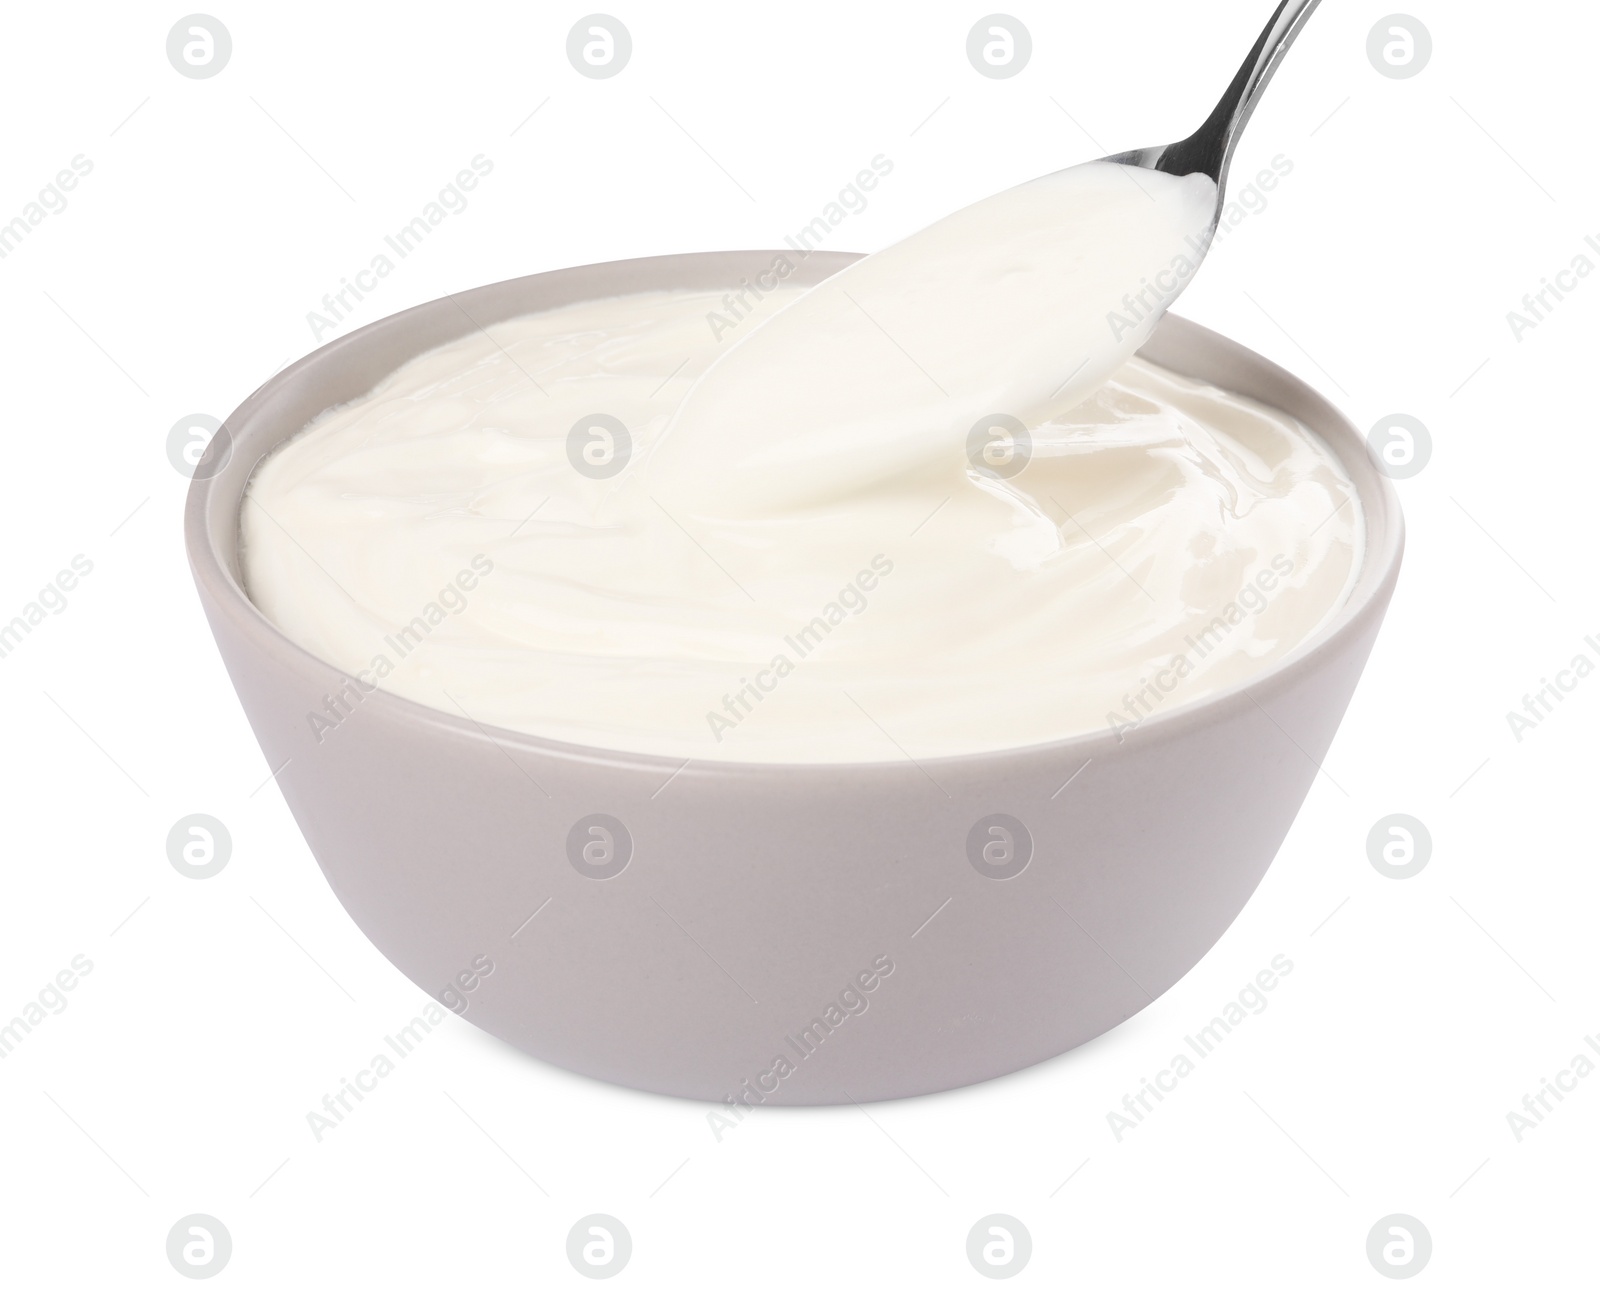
{"points": [[1018, 306]]}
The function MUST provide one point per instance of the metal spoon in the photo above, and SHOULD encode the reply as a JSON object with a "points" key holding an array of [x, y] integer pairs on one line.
{"points": [[786, 376], [1210, 149]]}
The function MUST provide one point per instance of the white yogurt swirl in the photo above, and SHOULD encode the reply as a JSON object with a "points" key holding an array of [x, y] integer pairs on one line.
{"points": [[1020, 305], [435, 538]]}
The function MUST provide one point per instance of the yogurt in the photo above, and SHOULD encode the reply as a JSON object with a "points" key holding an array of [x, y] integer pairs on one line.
{"points": [[1019, 306], [510, 529]]}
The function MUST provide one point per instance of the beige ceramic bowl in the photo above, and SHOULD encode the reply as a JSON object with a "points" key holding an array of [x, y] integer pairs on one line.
{"points": [[763, 930]]}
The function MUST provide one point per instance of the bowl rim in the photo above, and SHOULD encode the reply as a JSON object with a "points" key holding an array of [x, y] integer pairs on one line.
{"points": [[215, 500]]}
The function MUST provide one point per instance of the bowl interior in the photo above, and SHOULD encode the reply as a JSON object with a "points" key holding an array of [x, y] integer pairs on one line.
{"points": [[352, 365]]}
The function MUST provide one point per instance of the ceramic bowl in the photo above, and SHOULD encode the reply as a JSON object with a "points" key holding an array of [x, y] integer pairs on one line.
{"points": [[781, 934]]}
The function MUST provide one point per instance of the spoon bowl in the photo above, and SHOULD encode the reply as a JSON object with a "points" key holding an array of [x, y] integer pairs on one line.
{"points": [[1210, 149], [893, 364]]}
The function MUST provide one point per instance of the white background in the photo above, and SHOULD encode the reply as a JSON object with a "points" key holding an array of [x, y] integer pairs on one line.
{"points": [[1419, 1012]]}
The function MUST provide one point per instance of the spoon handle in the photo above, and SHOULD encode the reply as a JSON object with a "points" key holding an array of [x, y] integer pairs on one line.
{"points": [[1210, 148]]}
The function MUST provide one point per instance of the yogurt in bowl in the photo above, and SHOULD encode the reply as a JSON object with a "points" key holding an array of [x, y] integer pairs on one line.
{"points": [[1113, 559], [743, 912]]}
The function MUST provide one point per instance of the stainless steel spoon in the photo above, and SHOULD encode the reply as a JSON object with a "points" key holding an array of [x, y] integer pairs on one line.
{"points": [[852, 411], [1210, 149]]}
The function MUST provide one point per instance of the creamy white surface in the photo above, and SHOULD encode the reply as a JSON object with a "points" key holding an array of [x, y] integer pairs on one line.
{"points": [[1015, 611], [1021, 304]]}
